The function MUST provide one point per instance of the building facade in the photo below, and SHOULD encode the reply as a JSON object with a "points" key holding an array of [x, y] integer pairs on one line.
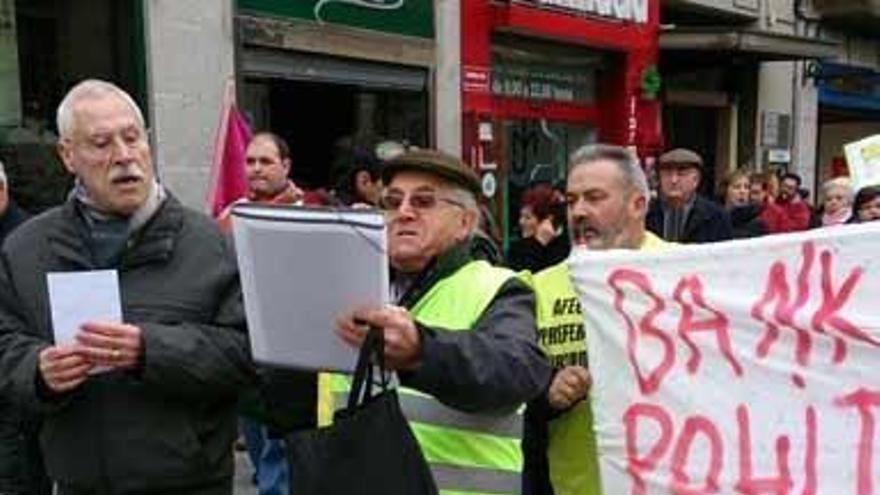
{"points": [[334, 77], [45, 47], [735, 86], [512, 86], [848, 83], [539, 78]]}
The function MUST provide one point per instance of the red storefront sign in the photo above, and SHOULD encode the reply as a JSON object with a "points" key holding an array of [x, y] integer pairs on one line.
{"points": [[476, 79], [628, 29]]}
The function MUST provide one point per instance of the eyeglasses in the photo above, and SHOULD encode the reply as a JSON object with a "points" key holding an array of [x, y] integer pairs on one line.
{"points": [[421, 201]]}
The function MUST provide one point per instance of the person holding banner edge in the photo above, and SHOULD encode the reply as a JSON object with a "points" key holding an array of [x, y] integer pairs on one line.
{"points": [[607, 200], [461, 336]]}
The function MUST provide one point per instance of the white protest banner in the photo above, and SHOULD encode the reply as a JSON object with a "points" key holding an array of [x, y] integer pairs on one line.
{"points": [[863, 161], [748, 367]]}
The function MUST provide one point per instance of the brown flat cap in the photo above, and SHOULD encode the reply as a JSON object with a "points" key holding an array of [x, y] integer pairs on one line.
{"points": [[681, 156], [438, 163]]}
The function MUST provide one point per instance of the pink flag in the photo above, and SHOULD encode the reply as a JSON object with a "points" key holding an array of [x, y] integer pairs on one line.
{"points": [[228, 180]]}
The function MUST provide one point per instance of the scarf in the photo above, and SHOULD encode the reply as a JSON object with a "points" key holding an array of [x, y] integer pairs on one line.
{"points": [[108, 233], [838, 218]]}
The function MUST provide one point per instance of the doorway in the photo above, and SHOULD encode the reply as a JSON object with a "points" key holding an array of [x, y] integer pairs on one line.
{"points": [[536, 151], [323, 122]]}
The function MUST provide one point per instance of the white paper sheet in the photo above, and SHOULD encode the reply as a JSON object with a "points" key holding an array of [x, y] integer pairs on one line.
{"points": [[80, 297], [301, 268]]}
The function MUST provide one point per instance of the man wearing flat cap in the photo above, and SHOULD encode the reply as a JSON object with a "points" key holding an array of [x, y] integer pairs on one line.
{"points": [[680, 214], [462, 333]]}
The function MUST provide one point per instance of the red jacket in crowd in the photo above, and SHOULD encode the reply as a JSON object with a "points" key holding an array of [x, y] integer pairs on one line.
{"points": [[774, 218], [798, 213]]}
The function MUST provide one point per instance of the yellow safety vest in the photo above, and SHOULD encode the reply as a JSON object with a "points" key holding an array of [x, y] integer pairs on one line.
{"points": [[469, 454], [571, 446]]}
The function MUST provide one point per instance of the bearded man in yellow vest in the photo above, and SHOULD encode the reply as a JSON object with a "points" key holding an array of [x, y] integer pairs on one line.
{"points": [[607, 196], [462, 335]]}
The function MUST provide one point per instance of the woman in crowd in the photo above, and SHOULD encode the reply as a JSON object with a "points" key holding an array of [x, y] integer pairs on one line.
{"points": [[837, 197], [744, 215], [542, 242], [866, 206]]}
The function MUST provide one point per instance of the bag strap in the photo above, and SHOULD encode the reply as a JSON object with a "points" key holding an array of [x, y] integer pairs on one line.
{"points": [[372, 353]]}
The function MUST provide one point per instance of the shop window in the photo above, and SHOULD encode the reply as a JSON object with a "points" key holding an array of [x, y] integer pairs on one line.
{"points": [[540, 70], [46, 46], [537, 152], [324, 123]]}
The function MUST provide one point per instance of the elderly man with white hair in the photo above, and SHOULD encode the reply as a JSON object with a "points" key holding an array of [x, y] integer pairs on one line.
{"points": [[147, 404]]}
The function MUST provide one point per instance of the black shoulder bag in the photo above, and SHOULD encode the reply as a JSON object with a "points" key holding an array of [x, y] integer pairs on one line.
{"points": [[369, 449]]}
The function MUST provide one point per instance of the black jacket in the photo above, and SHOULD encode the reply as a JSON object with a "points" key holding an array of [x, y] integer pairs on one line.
{"points": [[529, 254], [21, 469], [746, 221], [706, 222], [10, 219], [170, 424]]}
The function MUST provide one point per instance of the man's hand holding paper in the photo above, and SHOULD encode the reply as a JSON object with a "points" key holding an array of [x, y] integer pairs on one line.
{"points": [[403, 347], [63, 367], [116, 345], [98, 345]]}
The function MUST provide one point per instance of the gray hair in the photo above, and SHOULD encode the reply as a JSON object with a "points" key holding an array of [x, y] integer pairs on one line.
{"points": [[468, 202], [3, 179], [626, 161], [839, 183], [91, 88]]}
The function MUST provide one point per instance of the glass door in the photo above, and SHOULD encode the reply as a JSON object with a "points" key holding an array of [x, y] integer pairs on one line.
{"points": [[536, 151]]}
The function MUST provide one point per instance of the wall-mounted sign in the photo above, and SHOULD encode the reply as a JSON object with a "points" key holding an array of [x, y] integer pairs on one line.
{"points": [[368, 4], [622, 10], [778, 156], [407, 17], [775, 129], [475, 79], [544, 82], [651, 82], [490, 184]]}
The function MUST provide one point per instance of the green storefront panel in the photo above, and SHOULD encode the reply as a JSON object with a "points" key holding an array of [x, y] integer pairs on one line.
{"points": [[406, 17]]}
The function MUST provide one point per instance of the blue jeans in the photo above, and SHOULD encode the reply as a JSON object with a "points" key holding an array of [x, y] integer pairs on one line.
{"points": [[269, 457]]}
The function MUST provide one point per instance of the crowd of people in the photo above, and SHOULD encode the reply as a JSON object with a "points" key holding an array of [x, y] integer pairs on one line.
{"points": [[749, 204], [152, 404]]}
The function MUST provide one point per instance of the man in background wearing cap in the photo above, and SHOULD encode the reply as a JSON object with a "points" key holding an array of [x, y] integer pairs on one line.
{"points": [[462, 333], [679, 214]]}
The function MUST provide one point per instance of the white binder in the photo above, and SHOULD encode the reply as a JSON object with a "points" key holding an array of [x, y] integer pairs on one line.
{"points": [[301, 268]]}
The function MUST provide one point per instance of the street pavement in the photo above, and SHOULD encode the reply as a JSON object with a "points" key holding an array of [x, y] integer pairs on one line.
{"points": [[242, 484]]}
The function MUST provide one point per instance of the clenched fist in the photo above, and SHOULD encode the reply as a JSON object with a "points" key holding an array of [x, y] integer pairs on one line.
{"points": [[569, 386]]}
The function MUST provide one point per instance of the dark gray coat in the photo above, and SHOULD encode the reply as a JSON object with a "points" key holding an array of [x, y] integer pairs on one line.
{"points": [[168, 425], [706, 222]]}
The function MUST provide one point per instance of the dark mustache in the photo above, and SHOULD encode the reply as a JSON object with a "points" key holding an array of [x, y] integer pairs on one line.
{"points": [[580, 227]]}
